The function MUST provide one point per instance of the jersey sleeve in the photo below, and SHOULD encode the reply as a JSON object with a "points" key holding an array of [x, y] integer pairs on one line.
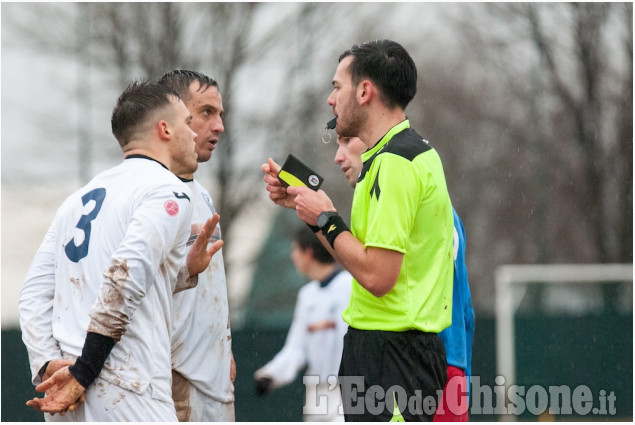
{"points": [[184, 280], [395, 184], [36, 307], [286, 365], [156, 229]]}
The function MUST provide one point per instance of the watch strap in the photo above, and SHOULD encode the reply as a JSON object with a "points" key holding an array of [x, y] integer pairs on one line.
{"points": [[334, 226]]}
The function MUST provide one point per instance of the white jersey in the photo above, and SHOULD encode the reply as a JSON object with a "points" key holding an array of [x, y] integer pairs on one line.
{"points": [[108, 264], [201, 339], [313, 340]]}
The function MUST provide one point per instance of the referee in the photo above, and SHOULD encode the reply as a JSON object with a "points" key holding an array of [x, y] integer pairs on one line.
{"points": [[400, 245]]}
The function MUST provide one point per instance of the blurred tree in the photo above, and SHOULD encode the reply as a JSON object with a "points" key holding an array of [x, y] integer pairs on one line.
{"points": [[529, 104], [534, 115]]}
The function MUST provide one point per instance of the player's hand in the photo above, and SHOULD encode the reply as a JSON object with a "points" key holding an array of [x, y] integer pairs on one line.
{"points": [[277, 192], [200, 255], [55, 365], [63, 393], [232, 369], [263, 385], [309, 204]]}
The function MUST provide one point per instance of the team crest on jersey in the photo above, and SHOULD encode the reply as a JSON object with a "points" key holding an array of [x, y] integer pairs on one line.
{"points": [[171, 207]]}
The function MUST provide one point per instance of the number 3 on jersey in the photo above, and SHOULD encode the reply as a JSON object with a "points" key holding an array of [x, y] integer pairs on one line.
{"points": [[74, 252]]}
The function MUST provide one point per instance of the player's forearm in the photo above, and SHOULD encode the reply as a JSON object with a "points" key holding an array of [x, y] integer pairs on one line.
{"points": [[96, 350], [124, 286], [35, 305], [284, 367], [37, 335]]}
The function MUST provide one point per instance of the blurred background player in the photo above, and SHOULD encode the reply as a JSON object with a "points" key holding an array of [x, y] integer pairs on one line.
{"points": [[457, 339], [99, 290], [202, 361], [315, 338]]}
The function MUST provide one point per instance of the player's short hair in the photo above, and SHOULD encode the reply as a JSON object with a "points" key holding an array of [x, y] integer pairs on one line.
{"points": [[389, 66], [181, 79], [306, 239], [135, 106]]}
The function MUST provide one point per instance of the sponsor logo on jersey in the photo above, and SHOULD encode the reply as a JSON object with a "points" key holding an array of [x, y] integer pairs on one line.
{"points": [[181, 196], [171, 207]]}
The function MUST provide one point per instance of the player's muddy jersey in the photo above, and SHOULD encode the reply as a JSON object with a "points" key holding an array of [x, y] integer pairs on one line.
{"points": [[118, 245], [201, 341]]}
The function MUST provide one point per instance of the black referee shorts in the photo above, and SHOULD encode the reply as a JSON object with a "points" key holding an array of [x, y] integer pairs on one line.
{"points": [[391, 375]]}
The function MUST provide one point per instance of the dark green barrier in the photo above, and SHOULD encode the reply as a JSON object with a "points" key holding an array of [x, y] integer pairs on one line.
{"points": [[596, 351], [16, 380]]}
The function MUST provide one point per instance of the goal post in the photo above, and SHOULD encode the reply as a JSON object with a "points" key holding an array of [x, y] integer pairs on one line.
{"points": [[510, 278]]}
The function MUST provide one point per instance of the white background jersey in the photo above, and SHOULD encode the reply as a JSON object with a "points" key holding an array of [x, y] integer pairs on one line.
{"points": [[112, 256], [201, 340], [321, 350]]}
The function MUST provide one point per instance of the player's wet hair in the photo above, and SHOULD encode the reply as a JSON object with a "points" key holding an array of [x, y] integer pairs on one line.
{"points": [[306, 239], [389, 66], [181, 79], [135, 106]]}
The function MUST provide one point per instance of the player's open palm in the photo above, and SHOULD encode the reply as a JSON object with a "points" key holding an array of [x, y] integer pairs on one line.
{"points": [[63, 392], [200, 255]]}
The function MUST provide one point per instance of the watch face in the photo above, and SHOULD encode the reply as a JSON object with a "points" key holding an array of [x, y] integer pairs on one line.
{"points": [[322, 219]]}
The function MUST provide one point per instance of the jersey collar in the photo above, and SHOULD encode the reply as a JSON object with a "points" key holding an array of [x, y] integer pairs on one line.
{"points": [[329, 279], [138, 155], [396, 129]]}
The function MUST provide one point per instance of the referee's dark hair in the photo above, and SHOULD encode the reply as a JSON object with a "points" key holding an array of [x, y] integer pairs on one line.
{"points": [[134, 107], [305, 239], [389, 66], [181, 79]]}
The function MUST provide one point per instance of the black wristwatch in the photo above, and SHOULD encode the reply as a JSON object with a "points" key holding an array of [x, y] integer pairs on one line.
{"points": [[324, 217]]}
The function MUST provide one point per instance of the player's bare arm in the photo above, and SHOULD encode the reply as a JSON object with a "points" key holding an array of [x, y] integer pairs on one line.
{"points": [[376, 269]]}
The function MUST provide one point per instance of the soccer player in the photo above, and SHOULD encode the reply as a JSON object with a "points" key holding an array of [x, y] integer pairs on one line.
{"points": [[457, 339], [316, 335], [202, 362], [399, 247], [99, 291]]}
